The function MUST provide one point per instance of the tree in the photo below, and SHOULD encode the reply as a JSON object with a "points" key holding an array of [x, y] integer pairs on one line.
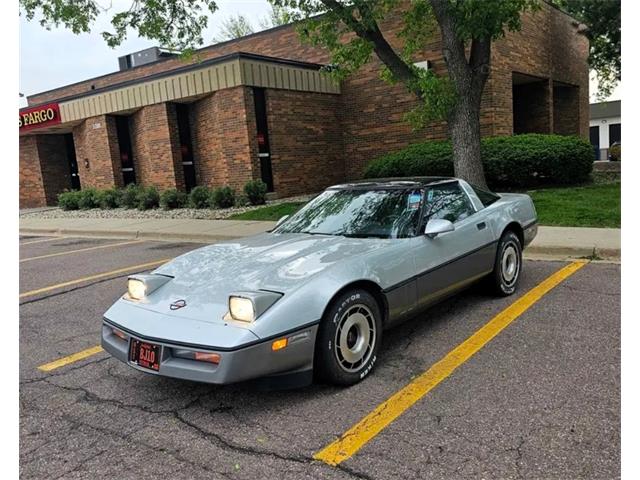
{"points": [[350, 30], [277, 17], [234, 27], [175, 24], [240, 26], [602, 18]]}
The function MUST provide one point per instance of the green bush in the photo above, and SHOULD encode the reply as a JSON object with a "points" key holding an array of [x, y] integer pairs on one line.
{"points": [[148, 197], [256, 192], [109, 198], [172, 198], [88, 198], [199, 197], [129, 198], [223, 197], [69, 200], [615, 152], [511, 161]]}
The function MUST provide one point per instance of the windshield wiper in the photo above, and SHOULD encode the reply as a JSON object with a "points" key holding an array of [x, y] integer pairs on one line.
{"points": [[316, 233], [364, 235]]}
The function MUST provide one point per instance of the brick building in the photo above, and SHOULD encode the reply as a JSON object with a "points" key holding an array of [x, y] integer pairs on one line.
{"points": [[259, 107]]}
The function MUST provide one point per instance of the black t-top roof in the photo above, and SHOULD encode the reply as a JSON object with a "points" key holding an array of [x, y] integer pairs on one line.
{"points": [[392, 183]]}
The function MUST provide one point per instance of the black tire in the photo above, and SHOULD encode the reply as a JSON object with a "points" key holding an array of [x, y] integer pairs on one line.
{"points": [[507, 267], [358, 311]]}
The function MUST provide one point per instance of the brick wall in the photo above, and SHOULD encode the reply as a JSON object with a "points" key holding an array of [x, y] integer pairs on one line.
{"points": [[305, 136], [548, 47], [566, 110], [31, 187], [44, 170], [96, 140], [156, 147], [370, 112], [223, 132]]}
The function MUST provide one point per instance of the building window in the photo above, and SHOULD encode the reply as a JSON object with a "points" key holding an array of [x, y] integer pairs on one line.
{"points": [[184, 132], [126, 152], [264, 152]]}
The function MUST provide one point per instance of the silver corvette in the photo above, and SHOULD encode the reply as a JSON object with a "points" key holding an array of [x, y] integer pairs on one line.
{"points": [[314, 295]]}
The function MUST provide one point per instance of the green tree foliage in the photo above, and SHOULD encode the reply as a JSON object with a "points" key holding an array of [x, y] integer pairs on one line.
{"points": [[350, 30], [602, 19], [172, 23]]}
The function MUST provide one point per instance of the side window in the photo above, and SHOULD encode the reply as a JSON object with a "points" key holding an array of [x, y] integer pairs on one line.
{"points": [[486, 197], [447, 202]]}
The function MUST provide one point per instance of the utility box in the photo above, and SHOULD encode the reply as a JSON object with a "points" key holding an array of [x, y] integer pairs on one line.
{"points": [[144, 57]]}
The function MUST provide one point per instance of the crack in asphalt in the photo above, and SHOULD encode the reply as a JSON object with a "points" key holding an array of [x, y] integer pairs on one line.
{"points": [[173, 453], [177, 413], [66, 371]]}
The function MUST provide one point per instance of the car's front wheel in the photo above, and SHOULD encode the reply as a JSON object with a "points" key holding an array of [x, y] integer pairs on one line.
{"points": [[348, 338]]}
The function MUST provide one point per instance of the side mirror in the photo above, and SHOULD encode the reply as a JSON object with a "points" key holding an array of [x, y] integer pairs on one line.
{"points": [[282, 219], [437, 226]]}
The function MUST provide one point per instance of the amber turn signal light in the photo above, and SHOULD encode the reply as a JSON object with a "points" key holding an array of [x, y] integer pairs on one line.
{"points": [[208, 357], [279, 344], [120, 334]]}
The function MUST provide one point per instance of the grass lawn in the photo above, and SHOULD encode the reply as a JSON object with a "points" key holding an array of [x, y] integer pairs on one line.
{"points": [[589, 206], [595, 205], [272, 212]]}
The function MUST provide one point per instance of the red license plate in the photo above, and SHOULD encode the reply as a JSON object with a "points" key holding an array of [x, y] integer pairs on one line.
{"points": [[146, 355]]}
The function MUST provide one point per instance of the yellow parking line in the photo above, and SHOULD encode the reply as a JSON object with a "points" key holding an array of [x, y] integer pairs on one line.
{"points": [[80, 250], [40, 241], [61, 362], [385, 413], [97, 276]]}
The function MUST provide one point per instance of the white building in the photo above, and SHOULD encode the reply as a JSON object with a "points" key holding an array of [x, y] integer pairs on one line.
{"points": [[604, 127]]}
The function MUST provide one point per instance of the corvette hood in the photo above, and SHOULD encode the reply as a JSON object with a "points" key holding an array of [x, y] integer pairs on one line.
{"points": [[205, 277]]}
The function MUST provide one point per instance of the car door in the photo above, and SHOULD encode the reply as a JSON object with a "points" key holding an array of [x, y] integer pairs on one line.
{"points": [[451, 260]]}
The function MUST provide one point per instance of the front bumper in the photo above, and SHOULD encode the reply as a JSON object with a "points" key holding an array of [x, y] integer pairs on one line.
{"points": [[243, 363]]}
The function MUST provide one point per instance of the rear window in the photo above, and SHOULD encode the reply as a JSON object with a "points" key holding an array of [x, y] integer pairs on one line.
{"points": [[485, 196]]}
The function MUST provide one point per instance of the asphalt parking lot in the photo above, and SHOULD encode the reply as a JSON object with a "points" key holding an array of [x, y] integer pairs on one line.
{"points": [[540, 400]]}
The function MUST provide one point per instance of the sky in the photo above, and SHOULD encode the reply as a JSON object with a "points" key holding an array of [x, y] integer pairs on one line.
{"points": [[51, 59]]}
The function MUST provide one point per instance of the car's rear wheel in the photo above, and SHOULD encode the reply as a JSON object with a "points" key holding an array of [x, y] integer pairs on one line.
{"points": [[348, 338], [508, 265]]}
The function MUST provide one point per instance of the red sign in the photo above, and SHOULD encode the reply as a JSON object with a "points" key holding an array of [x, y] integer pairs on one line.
{"points": [[39, 117]]}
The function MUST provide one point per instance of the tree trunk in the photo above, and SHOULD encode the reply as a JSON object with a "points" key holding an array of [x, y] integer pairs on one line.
{"points": [[469, 77], [464, 129]]}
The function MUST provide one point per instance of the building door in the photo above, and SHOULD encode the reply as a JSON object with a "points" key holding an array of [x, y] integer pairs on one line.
{"points": [[126, 152], [73, 162], [264, 151], [594, 138], [614, 133], [184, 132]]}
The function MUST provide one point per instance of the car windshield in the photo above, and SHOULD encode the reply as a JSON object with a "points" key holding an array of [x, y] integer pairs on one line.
{"points": [[382, 213]]}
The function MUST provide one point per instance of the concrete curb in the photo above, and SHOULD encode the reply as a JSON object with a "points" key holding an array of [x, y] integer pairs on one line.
{"points": [[549, 252], [594, 252], [131, 235]]}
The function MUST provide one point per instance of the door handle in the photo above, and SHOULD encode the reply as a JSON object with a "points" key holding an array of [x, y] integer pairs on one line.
{"points": [[481, 225]]}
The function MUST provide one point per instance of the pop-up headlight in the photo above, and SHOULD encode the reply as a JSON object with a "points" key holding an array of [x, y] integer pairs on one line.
{"points": [[141, 286], [247, 306]]}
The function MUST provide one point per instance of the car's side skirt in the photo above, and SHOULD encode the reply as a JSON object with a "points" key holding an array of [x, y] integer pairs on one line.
{"points": [[436, 284]]}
